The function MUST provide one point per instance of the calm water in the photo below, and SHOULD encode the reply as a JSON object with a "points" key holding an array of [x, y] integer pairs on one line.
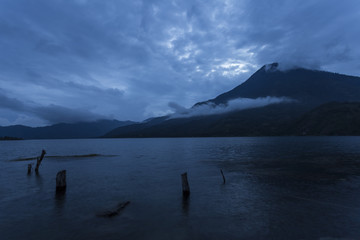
{"points": [[277, 188]]}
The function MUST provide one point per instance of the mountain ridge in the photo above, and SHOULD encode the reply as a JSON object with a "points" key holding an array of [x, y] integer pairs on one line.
{"points": [[63, 130]]}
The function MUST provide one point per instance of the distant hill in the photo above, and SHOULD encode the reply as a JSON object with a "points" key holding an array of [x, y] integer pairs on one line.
{"points": [[308, 88], [7, 138], [63, 130], [342, 119]]}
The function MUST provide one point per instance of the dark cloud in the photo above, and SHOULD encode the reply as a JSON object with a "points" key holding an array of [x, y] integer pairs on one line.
{"points": [[58, 114], [129, 59], [178, 108], [50, 114], [10, 103]]}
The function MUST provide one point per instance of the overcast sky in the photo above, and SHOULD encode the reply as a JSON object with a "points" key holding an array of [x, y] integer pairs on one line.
{"points": [[74, 60]]}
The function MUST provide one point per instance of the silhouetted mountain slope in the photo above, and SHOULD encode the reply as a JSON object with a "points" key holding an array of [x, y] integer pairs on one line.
{"points": [[268, 121], [63, 130], [329, 119], [308, 87]]}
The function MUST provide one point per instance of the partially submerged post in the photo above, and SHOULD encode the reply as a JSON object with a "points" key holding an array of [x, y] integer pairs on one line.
{"points": [[38, 162], [29, 168], [61, 181], [223, 175], [185, 185]]}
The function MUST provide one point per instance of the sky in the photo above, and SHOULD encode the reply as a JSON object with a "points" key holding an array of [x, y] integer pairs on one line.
{"points": [[83, 60]]}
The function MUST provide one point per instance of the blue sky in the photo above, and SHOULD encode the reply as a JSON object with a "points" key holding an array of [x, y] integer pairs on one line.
{"points": [[76, 60]]}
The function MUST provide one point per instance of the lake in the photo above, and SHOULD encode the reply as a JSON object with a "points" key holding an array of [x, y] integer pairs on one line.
{"points": [[276, 188]]}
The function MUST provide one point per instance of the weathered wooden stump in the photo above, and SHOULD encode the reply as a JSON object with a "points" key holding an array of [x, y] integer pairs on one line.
{"points": [[29, 169], [114, 212], [185, 185], [223, 175], [61, 181], [38, 162]]}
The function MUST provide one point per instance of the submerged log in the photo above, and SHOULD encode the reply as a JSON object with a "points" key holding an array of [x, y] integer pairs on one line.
{"points": [[185, 185], [61, 181], [29, 168], [38, 162], [114, 212], [223, 175]]}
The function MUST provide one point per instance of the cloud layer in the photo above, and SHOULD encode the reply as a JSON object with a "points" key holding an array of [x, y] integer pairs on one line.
{"points": [[233, 105], [129, 59]]}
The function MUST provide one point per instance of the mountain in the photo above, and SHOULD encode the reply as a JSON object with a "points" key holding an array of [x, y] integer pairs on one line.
{"points": [[306, 88], [310, 87], [63, 130]]}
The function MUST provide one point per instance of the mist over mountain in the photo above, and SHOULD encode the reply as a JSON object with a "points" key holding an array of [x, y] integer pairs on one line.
{"points": [[288, 95], [211, 108]]}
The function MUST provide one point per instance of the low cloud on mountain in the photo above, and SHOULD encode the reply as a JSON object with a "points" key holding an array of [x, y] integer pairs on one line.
{"points": [[233, 105]]}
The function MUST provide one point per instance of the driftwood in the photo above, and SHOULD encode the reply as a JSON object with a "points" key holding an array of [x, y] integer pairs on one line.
{"points": [[114, 212], [185, 185], [61, 181], [29, 168], [38, 162], [223, 175]]}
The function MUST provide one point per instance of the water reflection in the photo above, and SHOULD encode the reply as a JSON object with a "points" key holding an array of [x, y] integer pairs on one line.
{"points": [[39, 179], [185, 205], [29, 169], [60, 198]]}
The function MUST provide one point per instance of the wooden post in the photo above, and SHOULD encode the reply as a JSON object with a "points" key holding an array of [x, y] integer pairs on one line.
{"points": [[61, 181], [29, 168], [223, 175], [185, 185], [38, 162]]}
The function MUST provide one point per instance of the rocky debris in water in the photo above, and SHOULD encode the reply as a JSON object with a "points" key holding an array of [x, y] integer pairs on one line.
{"points": [[114, 212]]}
